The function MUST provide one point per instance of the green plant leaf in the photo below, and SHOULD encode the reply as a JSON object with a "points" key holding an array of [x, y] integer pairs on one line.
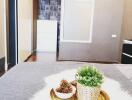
{"points": [[89, 76]]}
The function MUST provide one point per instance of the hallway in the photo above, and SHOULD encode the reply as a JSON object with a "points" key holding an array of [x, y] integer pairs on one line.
{"points": [[43, 57]]}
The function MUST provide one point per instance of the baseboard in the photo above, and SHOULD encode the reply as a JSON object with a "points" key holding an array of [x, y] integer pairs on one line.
{"points": [[32, 53], [2, 64]]}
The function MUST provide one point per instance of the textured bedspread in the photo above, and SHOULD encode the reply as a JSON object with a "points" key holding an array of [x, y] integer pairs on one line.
{"points": [[33, 81]]}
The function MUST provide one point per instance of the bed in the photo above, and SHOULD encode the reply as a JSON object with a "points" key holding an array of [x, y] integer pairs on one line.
{"points": [[33, 81]]}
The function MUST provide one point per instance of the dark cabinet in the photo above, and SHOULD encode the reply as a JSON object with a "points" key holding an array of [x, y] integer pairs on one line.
{"points": [[127, 52]]}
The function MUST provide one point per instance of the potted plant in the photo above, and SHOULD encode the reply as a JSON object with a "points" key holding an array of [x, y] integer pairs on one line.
{"points": [[89, 81]]}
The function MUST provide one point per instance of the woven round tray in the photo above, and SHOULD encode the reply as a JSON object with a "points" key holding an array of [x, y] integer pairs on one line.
{"points": [[103, 96]]}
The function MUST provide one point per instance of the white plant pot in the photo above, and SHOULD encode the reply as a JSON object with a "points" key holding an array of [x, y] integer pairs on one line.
{"points": [[87, 93]]}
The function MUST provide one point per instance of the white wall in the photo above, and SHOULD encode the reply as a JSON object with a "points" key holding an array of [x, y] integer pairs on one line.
{"points": [[2, 43], [25, 28]]}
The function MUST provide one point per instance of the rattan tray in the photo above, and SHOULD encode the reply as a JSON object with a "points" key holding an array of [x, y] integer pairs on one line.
{"points": [[103, 96]]}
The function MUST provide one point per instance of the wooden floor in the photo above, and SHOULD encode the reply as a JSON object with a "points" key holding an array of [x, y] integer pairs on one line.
{"points": [[42, 57], [32, 58]]}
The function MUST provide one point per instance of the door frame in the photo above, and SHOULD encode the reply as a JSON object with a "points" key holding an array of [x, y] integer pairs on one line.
{"points": [[13, 34]]}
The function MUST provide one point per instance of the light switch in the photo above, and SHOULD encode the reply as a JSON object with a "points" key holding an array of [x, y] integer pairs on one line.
{"points": [[114, 35]]}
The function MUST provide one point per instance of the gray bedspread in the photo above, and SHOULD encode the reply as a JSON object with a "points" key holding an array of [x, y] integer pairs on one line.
{"points": [[25, 81]]}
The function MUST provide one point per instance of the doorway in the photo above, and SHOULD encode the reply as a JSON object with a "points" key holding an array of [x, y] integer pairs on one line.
{"points": [[20, 36], [47, 21], [23, 30]]}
